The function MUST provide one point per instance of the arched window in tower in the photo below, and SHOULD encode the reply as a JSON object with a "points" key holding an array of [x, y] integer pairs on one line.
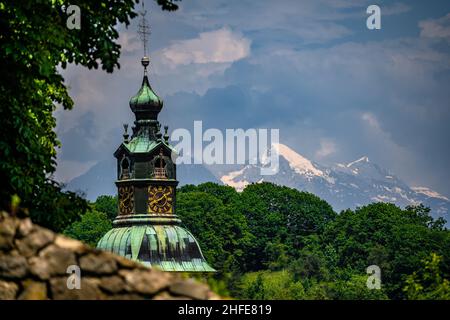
{"points": [[125, 168], [159, 171]]}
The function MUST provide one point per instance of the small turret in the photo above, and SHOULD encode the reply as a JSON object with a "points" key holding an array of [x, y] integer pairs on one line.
{"points": [[125, 133], [166, 135]]}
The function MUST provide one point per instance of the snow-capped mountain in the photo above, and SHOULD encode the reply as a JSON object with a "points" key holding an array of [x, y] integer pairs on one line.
{"points": [[344, 186]]}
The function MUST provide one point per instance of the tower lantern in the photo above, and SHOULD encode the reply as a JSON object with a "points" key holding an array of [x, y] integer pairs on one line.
{"points": [[147, 228]]}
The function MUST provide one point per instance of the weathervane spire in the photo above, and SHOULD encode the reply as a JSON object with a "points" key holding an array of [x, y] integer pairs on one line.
{"points": [[144, 32]]}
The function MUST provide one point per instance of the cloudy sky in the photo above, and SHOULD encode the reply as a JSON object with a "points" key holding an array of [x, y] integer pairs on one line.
{"points": [[336, 90]]}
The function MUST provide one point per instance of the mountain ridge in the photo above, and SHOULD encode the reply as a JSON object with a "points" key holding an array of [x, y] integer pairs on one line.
{"points": [[343, 185], [349, 185]]}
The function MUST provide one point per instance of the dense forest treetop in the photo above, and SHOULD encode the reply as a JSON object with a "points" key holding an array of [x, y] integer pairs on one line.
{"points": [[274, 242]]}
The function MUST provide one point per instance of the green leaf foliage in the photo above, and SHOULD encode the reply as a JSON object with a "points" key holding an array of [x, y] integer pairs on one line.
{"points": [[296, 238], [108, 205], [274, 242], [36, 44], [383, 234], [431, 282], [92, 226], [278, 214]]}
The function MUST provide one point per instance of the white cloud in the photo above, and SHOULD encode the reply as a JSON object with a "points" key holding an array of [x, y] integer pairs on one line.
{"points": [[327, 147], [129, 42], [436, 28], [218, 46], [371, 119]]}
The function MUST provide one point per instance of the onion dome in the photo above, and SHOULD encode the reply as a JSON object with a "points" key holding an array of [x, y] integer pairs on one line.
{"points": [[146, 104], [165, 247]]}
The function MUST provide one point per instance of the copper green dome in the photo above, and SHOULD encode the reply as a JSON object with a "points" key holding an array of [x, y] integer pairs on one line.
{"points": [[167, 247], [146, 104]]}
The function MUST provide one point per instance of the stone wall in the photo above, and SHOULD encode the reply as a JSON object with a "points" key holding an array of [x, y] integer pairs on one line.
{"points": [[34, 262]]}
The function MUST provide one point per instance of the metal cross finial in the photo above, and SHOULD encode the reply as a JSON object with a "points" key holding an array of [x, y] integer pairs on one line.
{"points": [[144, 32]]}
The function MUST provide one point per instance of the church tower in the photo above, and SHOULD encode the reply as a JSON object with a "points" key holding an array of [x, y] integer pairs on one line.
{"points": [[147, 228]]}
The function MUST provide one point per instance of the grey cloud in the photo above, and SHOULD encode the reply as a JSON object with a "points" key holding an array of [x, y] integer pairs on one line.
{"points": [[436, 28], [310, 83]]}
